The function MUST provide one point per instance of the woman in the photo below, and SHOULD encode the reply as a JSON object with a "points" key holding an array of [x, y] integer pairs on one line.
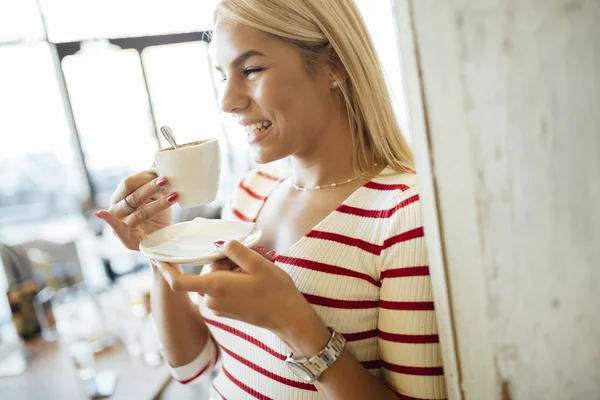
{"points": [[345, 278]]}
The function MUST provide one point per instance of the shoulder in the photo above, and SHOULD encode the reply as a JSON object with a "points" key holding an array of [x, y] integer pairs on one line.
{"points": [[398, 194], [393, 187]]}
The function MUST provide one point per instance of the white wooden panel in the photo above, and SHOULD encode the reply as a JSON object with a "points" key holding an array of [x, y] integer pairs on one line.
{"points": [[512, 112]]}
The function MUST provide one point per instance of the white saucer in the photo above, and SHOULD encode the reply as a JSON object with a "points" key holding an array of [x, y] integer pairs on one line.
{"points": [[192, 242]]}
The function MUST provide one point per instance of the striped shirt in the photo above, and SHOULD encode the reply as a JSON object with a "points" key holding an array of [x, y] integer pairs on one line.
{"points": [[364, 269]]}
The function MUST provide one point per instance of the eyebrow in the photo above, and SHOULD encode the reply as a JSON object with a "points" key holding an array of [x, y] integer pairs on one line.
{"points": [[243, 57]]}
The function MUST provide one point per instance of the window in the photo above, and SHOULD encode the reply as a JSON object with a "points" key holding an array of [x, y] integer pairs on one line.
{"points": [[379, 18]]}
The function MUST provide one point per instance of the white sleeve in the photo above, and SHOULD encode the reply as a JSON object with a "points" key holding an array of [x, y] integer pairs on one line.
{"points": [[203, 364]]}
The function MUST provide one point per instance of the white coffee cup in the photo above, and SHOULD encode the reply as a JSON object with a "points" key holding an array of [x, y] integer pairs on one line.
{"points": [[192, 171]]}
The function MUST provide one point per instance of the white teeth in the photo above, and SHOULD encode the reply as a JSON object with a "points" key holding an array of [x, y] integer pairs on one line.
{"points": [[254, 129]]}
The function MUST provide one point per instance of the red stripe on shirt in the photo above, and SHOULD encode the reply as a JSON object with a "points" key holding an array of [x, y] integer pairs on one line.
{"points": [[219, 393], [277, 378], [245, 388], [404, 237], [251, 192], [382, 186], [407, 305], [337, 303], [353, 337], [327, 268], [241, 216], [405, 397], [334, 237], [361, 212], [364, 245], [408, 370], [412, 339], [246, 337], [203, 370], [373, 364], [268, 176], [405, 272]]}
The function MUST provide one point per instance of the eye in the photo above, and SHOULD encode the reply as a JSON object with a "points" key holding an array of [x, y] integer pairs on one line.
{"points": [[223, 79], [252, 70]]}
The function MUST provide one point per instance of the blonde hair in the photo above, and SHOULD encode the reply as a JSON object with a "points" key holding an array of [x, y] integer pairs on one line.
{"points": [[312, 24]]}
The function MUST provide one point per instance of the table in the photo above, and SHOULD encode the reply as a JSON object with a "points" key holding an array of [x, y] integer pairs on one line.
{"points": [[50, 375]]}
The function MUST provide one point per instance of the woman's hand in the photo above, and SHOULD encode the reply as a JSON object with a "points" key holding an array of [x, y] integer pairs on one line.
{"points": [[260, 293], [138, 208]]}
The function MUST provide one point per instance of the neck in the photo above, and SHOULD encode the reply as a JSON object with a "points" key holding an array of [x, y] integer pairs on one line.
{"points": [[329, 160]]}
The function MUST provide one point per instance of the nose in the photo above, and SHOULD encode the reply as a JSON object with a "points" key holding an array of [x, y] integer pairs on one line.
{"points": [[233, 98]]}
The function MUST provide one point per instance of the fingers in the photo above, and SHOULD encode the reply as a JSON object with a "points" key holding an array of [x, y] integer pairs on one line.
{"points": [[221, 265], [148, 211], [246, 258], [215, 284], [137, 197], [130, 237], [179, 281], [131, 184], [118, 226]]}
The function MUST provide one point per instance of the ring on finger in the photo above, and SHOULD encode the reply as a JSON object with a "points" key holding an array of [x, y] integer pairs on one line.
{"points": [[126, 206]]}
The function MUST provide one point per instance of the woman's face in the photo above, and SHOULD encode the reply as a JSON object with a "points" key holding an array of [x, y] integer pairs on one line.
{"points": [[266, 85]]}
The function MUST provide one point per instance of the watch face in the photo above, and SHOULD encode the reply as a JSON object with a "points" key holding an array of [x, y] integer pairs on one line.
{"points": [[300, 371]]}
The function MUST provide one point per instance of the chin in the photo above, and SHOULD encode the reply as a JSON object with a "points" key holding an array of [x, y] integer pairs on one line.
{"points": [[265, 156]]}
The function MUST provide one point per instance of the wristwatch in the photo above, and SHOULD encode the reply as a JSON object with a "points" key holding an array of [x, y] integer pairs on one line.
{"points": [[309, 369]]}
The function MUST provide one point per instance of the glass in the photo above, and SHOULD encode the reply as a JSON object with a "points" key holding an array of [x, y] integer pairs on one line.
{"points": [[45, 316], [20, 21], [79, 317], [39, 172], [74, 20], [112, 112]]}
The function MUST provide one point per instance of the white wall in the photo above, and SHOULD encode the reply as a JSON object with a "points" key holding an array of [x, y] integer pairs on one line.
{"points": [[505, 117]]}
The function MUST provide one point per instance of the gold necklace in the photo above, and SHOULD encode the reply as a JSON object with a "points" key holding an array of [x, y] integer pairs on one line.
{"points": [[319, 187]]}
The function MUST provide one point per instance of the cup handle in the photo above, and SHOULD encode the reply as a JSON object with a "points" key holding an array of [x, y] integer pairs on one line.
{"points": [[152, 170]]}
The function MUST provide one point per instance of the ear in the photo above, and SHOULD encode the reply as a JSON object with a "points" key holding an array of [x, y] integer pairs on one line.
{"points": [[337, 72]]}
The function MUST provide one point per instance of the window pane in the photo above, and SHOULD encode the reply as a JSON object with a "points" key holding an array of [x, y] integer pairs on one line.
{"points": [[112, 113], [40, 176], [183, 96], [72, 20], [20, 21], [380, 22]]}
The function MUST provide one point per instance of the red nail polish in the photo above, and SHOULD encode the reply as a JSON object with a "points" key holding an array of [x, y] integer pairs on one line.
{"points": [[272, 254], [172, 197], [219, 243], [260, 249], [162, 182]]}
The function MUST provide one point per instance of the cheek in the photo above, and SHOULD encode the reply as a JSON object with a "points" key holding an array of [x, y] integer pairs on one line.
{"points": [[287, 100]]}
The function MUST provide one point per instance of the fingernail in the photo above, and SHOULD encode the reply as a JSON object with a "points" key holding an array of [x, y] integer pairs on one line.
{"points": [[260, 249], [172, 198], [272, 254], [162, 182], [97, 214], [219, 243]]}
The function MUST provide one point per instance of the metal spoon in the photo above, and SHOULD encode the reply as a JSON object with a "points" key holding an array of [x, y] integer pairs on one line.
{"points": [[168, 134]]}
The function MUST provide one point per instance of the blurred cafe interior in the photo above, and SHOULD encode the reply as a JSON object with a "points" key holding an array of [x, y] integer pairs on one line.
{"points": [[84, 88]]}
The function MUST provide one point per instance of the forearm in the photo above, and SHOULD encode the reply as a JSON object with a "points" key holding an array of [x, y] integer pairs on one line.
{"points": [[180, 326], [346, 379]]}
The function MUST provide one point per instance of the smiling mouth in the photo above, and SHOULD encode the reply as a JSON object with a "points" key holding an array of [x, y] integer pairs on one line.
{"points": [[255, 129]]}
